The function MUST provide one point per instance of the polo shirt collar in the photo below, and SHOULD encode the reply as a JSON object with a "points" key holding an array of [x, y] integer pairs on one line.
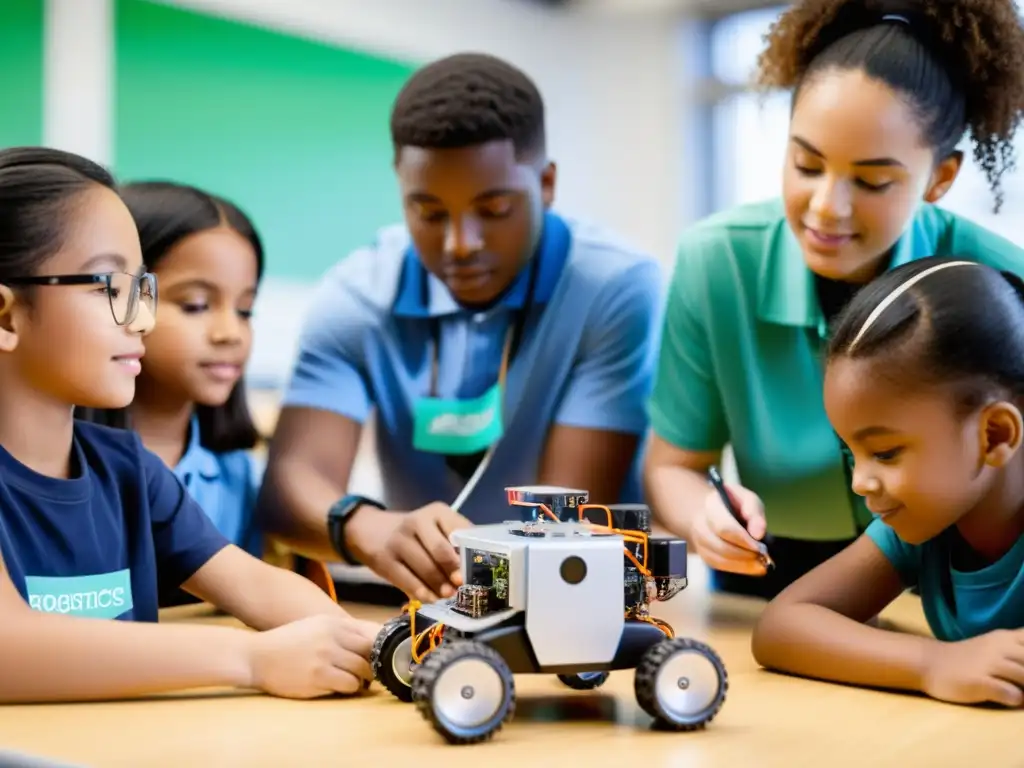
{"points": [[551, 254], [786, 292], [197, 460]]}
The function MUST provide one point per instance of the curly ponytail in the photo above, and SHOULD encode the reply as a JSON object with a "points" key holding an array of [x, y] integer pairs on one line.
{"points": [[960, 63]]}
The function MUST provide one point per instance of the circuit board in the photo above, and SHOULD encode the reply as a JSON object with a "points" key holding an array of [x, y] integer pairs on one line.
{"points": [[486, 585]]}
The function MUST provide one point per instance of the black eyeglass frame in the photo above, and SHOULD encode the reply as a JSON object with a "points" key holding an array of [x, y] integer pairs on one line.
{"points": [[106, 278]]}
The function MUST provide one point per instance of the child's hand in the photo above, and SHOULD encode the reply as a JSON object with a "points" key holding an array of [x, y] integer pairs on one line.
{"points": [[313, 657], [988, 668], [723, 543]]}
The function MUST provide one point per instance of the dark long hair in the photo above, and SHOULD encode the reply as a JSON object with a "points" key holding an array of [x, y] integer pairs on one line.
{"points": [[38, 191], [166, 213]]}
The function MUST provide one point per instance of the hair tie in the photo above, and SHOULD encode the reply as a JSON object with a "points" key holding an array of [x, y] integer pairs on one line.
{"points": [[898, 18], [899, 291]]}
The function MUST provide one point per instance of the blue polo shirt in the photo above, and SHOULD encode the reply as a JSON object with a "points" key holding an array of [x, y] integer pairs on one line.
{"points": [[984, 600], [225, 485], [94, 545], [586, 357]]}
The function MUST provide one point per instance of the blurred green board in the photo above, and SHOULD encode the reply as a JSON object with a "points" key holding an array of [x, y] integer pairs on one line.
{"points": [[293, 131], [21, 72]]}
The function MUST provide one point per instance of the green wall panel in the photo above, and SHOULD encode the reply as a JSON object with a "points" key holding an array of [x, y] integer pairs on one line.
{"points": [[294, 131], [21, 72]]}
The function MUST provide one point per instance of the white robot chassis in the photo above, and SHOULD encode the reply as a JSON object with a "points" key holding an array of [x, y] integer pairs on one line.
{"points": [[545, 595]]}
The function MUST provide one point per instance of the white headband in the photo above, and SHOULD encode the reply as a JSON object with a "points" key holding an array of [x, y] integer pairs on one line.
{"points": [[899, 291], [898, 18]]}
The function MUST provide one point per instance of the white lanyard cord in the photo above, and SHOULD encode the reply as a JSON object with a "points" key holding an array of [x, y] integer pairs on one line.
{"points": [[471, 484]]}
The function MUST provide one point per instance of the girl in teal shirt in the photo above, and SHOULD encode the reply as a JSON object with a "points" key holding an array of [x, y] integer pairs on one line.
{"points": [[883, 95], [925, 384]]}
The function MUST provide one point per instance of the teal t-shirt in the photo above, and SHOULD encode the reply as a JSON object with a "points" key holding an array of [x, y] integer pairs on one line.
{"points": [[741, 358], [985, 600]]}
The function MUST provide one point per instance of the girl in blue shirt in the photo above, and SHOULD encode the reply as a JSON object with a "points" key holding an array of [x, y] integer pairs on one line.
{"points": [[190, 405], [90, 521], [924, 384]]}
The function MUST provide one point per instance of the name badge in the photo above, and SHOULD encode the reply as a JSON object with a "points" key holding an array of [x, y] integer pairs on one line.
{"points": [[458, 426]]}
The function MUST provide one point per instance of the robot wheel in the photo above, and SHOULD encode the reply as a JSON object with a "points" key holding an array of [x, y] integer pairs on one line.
{"points": [[391, 656], [465, 690], [584, 681], [681, 683]]}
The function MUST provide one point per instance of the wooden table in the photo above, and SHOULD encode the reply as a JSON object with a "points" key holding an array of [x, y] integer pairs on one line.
{"points": [[767, 720]]}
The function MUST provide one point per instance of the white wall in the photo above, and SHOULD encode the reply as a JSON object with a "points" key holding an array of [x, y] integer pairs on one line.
{"points": [[77, 77], [612, 85], [612, 82]]}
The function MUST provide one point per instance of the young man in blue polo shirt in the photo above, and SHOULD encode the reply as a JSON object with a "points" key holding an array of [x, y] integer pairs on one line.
{"points": [[495, 342]]}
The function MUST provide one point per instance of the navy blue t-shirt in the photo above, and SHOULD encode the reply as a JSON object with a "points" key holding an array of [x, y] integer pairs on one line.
{"points": [[94, 545]]}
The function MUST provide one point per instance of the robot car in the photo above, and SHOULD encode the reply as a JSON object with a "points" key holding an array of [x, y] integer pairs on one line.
{"points": [[566, 591]]}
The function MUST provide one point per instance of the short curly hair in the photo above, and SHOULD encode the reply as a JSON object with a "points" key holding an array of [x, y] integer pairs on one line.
{"points": [[469, 99], [959, 62]]}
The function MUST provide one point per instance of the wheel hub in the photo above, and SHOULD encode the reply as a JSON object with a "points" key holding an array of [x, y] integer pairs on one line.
{"points": [[468, 693], [401, 661], [687, 684]]}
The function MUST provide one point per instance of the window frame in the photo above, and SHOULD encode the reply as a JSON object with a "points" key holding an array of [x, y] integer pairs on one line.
{"points": [[709, 92]]}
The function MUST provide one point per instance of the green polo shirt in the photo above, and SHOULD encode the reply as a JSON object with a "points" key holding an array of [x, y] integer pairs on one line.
{"points": [[742, 350]]}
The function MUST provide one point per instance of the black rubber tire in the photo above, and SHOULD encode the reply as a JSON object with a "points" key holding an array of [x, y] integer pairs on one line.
{"points": [[580, 683], [382, 655], [426, 676], [646, 684]]}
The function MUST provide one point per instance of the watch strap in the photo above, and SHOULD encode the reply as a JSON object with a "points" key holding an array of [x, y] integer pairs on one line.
{"points": [[337, 518]]}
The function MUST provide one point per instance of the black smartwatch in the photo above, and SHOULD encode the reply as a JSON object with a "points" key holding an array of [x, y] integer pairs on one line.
{"points": [[337, 518]]}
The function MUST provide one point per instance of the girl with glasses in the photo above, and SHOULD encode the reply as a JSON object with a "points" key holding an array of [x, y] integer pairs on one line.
{"points": [[90, 521]]}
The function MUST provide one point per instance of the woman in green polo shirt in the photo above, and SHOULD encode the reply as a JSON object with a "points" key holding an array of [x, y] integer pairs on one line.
{"points": [[883, 94]]}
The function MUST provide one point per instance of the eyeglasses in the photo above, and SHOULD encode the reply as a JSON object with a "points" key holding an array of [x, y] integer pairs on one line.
{"points": [[124, 290]]}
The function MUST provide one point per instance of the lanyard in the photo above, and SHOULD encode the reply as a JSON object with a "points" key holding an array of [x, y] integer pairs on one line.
{"points": [[513, 338]]}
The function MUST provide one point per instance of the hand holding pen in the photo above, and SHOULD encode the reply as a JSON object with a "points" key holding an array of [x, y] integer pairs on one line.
{"points": [[731, 534]]}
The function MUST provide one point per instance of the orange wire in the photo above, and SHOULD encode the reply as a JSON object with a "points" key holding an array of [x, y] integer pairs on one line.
{"points": [[321, 576], [607, 511], [664, 626], [434, 633], [636, 562], [543, 508], [636, 537]]}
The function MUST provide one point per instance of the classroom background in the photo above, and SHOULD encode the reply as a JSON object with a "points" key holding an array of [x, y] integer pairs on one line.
{"points": [[282, 106]]}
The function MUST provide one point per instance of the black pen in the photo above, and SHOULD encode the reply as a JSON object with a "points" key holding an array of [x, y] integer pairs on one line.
{"points": [[719, 484]]}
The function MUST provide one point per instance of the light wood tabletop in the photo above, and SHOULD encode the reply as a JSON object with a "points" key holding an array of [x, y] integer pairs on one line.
{"points": [[767, 719]]}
